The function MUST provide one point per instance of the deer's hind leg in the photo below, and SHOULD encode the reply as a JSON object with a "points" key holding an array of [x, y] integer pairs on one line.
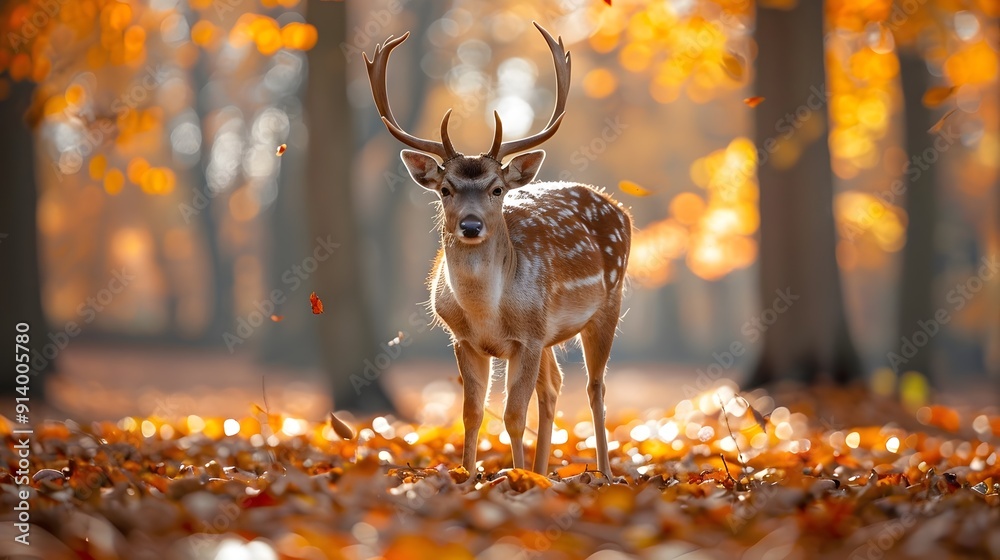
{"points": [[597, 337], [547, 389]]}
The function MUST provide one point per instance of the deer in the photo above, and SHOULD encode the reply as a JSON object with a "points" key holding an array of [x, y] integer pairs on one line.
{"points": [[523, 267]]}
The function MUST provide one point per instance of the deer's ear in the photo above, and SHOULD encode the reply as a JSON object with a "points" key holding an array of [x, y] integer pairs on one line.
{"points": [[423, 168], [522, 169]]}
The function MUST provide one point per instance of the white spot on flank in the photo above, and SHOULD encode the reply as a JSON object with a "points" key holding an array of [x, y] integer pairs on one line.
{"points": [[581, 282], [613, 276], [613, 237], [610, 251]]}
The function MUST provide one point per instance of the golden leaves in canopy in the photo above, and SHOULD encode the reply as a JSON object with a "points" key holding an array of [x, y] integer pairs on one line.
{"points": [[682, 53], [265, 33], [712, 230], [92, 37]]}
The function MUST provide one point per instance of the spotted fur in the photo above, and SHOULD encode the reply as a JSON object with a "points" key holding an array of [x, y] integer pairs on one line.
{"points": [[551, 267]]}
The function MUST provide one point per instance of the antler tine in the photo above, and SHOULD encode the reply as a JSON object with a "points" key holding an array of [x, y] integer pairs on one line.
{"points": [[563, 67], [445, 139], [497, 136], [377, 78]]}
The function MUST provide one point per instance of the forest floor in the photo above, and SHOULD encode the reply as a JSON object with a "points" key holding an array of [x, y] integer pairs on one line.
{"points": [[819, 473]]}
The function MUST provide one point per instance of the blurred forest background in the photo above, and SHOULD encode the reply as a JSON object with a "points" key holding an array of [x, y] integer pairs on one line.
{"points": [[139, 151]]}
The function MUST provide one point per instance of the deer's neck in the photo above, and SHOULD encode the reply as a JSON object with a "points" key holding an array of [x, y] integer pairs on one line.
{"points": [[479, 274]]}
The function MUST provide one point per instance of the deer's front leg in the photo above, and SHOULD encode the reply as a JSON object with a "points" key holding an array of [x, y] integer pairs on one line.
{"points": [[522, 372], [475, 370]]}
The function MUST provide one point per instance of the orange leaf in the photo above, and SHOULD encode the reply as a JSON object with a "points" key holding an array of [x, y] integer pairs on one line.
{"points": [[341, 428], [316, 303], [281, 149], [608, 2], [522, 480], [628, 187], [459, 474], [753, 101], [937, 95], [940, 124], [571, 469], [277, 318]]}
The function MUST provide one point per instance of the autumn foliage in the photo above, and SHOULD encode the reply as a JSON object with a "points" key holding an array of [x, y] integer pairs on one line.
{"points": [[728, 473]]}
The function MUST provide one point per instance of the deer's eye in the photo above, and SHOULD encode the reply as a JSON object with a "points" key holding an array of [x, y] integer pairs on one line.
{"points": [[497, 191], [445, 191]]}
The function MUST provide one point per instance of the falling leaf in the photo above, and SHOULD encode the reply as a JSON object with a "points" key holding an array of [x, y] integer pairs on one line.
{"points": [[277, 318], [341, 428], [940, 124], [316, 303], [398, 340], [734, 66], [938, 95], [628, 187], [753, 101], [281, 150]]}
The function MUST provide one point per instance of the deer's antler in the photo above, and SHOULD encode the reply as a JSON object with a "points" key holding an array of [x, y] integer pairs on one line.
{"points": [[560, 57], [377, 77]]}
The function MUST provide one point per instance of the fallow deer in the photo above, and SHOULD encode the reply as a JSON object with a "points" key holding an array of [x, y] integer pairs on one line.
{"points": [[523, 267]]}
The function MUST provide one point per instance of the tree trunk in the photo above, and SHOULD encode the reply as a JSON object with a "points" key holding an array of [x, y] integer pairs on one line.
{"points": [[20, 281], [222, 316], [807, 338], [916, 285], [350, 354]]}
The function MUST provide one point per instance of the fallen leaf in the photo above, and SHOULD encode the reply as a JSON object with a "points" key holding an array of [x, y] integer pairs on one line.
{"points": [[628, 187], [459, 474], [522, 480], [316, 303], [277, 318], [281, 150], [759, 418], [753, 101], [938, 95], [341, 428], [940, 124], [571, 469]]}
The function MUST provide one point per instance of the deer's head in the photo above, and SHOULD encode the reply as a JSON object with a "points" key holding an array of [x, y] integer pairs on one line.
{"points": [[471, 188]]}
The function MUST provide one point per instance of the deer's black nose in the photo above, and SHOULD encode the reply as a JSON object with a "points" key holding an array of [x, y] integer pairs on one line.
{"points": [[471, 226]]}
